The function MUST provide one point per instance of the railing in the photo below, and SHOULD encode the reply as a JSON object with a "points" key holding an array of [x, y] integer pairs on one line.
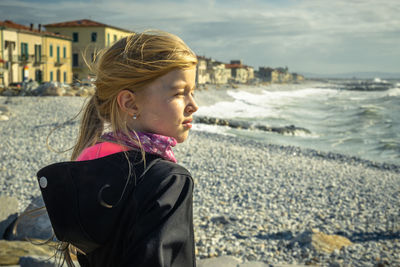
{"points": [[26, 58], [39, 60], [14, 59], [61, 61]]}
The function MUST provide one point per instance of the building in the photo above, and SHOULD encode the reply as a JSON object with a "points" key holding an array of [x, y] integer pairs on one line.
{"points": [[240, 73], [202, 75], [26, 55], [88, 37], [211, 71], [278, 75], [219, 74]]}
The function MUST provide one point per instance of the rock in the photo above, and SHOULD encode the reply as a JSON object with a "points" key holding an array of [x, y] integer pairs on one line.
{"points": [[220, 220], [39, 261], [223, 261], [11, 251], [49, 89], [34, 225], [35, 261], [4, 110], [86, 91], [10, 92], [8, 212], [70, 93], [253, 264], [321, 242], [29, 88], [4, 118]]}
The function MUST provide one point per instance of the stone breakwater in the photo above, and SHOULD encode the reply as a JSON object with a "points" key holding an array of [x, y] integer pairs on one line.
{"points": [[256, 202]]}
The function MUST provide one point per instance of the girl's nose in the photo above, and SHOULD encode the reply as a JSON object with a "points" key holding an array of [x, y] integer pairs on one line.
{"points": [[192, 107]]}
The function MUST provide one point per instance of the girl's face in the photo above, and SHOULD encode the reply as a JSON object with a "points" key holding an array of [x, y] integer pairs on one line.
{"points": [[166, 105]]}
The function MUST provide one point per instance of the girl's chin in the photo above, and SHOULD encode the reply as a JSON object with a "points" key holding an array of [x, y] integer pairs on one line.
{"points": [[182, 138]]}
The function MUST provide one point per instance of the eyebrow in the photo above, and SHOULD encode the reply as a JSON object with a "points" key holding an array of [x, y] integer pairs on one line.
{"points": [[182, 85], [179, 85]]}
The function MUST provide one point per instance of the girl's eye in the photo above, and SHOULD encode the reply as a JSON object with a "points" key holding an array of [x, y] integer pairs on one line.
{"points": [[179, 93]]}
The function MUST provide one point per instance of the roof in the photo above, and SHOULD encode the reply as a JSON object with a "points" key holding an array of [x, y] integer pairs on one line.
{"points": [[237, 66], [13, 25], [83, 23]]}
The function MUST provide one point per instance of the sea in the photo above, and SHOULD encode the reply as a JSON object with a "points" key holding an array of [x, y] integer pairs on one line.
{"points": [[358, 118]]}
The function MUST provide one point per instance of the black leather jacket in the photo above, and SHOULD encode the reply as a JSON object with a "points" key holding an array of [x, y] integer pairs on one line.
{"points": [[150, 224]]}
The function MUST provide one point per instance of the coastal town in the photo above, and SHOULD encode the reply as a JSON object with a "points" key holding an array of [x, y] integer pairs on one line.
{"points": [[58, 52]]}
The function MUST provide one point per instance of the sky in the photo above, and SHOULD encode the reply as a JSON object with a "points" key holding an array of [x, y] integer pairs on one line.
{"points": [[307, 36]]}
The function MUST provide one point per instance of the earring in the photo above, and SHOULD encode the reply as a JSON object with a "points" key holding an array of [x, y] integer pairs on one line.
{"points": [[134, 116]]}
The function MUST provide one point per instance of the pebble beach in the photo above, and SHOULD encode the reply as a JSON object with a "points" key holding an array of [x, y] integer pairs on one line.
{"points": [[254, 201]]}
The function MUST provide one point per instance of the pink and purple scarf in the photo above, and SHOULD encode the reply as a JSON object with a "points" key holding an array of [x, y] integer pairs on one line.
{"points": [[151, 143]]}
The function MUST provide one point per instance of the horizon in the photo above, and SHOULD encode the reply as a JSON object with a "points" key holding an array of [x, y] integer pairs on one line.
{"points": [[306, 36]]}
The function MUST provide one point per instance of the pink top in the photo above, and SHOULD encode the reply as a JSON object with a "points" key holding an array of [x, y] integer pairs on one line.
{"points": [[100, 150]]}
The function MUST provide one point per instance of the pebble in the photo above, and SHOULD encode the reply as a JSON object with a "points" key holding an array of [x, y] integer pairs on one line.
{"points": [[250, 199]]}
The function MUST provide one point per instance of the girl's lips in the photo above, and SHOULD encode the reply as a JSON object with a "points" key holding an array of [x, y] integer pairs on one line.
{"points": [[187, 124]]}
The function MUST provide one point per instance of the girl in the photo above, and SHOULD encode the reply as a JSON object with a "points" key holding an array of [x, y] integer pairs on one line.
{"points": [[123, 200]]}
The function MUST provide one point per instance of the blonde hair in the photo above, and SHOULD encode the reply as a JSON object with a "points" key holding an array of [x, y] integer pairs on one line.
{"points": [[129, 64]]}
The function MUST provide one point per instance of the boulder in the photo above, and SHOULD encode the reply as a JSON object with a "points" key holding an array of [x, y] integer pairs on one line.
{"points": [[321, 242], [31, 225], [49, 89], [29, 88], [11, 251], [4, 110], [39, 261], [8, 212], [223, 261], [4, 118], [10, 92], [253, 264]]}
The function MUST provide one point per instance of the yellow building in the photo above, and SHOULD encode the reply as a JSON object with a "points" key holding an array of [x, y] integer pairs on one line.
{"points": [[87, 37], [58, 56], [25, 55]]}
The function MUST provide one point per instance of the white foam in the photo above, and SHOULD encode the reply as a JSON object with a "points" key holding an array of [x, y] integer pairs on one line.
{"points": [[393, 92], [211, 129], [265, 104]]}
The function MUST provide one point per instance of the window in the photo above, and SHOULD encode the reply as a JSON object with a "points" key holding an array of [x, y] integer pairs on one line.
{"points": [[24, 51], [65, 76], [51, 76], [75, 62], [94, 36], [115, 37], [75, 37], [58, 53], [51, 50], [108, 39], [64, 52], [38, 53]]}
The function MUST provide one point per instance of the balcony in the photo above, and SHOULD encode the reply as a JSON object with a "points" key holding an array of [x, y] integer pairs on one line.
{"points": [[13, 59], [39, 60], [26, 58], [61, 62]]}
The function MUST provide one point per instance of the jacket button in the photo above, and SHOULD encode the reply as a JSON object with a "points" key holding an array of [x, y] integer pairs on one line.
{"points": [[43, 182]]}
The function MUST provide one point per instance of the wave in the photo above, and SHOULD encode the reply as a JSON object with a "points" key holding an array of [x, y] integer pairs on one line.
{"points": [[369, 111], [261, 105], [376, 85], [389, 144]]}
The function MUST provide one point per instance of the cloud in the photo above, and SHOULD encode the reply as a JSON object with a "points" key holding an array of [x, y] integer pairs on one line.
{"points": [[305, 35]]}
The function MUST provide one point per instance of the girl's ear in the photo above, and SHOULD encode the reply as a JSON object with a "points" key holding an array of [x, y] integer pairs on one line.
{"points": [[127, 101]]}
